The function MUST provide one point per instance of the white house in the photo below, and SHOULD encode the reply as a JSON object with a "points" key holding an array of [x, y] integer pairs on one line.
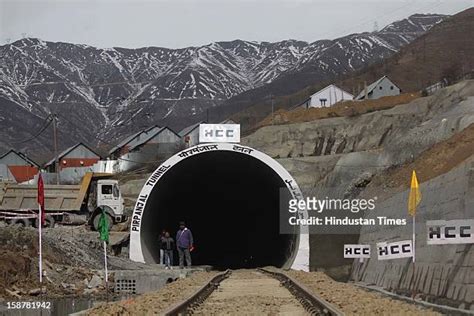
{"points": [[327, 97], [380, 88]]}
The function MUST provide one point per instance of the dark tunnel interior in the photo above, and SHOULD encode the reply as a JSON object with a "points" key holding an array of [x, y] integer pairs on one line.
{"points": [[230, 201]]}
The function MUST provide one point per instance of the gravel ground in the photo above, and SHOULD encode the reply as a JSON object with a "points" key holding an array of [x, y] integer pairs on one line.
{"points": [[72, 256], [353, 300], [156, 302], [248, 292]]}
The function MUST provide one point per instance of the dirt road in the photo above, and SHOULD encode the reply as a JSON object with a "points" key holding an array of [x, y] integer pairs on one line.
{"points": [[155, 303]]}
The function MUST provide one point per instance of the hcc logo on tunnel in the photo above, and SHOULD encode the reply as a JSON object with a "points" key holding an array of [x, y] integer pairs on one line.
{"points": [[219, 133]]}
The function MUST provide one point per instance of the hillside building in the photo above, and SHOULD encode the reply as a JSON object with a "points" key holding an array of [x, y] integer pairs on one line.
{"points": [[154, 147], [190, 135], [124, 146], [17, 167], [383, 87], [326, 97], [149, 145], [78, 155], [162, 143]]}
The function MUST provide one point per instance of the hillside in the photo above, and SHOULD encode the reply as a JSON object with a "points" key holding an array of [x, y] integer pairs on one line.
{"points": [[341, 109], [373, 154], [442, 52]]}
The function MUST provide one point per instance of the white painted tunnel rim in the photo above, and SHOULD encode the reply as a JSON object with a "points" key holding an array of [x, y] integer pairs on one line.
{"points": [[300, 260]]}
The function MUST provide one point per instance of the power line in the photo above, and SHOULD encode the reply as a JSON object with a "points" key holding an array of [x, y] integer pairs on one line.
{"points": [[93, 135], [86, 85], [108, 143], [385, 14], [142, 162], [48, 121], [363, 22]]}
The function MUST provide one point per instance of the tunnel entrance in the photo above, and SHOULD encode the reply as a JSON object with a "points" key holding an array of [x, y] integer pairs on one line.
{"points": [[230, 200]]}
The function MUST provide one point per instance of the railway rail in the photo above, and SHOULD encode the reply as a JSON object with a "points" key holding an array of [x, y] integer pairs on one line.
{"points": [[184, 307], [310, 303], [313, 303]]}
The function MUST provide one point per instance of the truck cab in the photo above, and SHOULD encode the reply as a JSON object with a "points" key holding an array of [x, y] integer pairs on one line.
{"points": [[108, 194], [108, 198]]}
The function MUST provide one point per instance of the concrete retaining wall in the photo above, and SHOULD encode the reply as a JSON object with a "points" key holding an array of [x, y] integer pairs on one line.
{"points": [[443, 273]]}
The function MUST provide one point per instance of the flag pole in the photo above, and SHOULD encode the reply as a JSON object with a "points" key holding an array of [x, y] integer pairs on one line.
{"points": [[413, 201], [413, 259], [414, 239], [104, 236], [40, 228], [40, 252], [106, 277]]}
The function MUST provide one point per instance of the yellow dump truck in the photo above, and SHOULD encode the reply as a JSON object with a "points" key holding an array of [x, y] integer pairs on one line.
{"points": [[64, 204]]}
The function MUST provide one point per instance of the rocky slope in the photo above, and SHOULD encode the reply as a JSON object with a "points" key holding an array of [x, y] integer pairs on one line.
{"points": [[373, 155]]}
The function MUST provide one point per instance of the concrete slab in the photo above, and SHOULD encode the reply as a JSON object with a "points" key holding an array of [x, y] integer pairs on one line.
{"points": [[147, 280]]}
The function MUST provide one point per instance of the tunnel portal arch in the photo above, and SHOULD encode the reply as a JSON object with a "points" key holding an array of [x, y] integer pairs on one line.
{"points": [[227, 194]]}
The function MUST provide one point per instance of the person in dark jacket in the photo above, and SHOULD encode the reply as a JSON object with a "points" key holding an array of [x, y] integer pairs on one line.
{"points": [[184, 244], [167, 244], [160, 246]]}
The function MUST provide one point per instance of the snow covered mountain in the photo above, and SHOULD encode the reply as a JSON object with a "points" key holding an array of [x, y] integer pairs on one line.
{"points": [[119, 90]]}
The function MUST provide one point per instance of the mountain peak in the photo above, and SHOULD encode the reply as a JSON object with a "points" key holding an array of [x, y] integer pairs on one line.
{"points": [[416, 23]]}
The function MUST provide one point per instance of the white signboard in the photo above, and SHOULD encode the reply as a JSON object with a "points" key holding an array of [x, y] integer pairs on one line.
{"points": [[356, 251], [450, 232], [219, 133], [394, 250]]}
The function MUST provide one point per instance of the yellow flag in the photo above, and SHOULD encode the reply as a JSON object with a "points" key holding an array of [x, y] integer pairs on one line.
{"points": [[415, 195]]}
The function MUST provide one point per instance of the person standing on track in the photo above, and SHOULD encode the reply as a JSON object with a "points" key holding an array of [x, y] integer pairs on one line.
{"points": [[184, 243], [160, 246], [167, 245]]}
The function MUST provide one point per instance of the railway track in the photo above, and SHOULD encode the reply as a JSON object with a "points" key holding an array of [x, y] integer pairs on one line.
{"points": [[253, 292]]}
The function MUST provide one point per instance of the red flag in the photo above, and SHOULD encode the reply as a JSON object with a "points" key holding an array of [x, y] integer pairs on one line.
{"points": [[41, 198]]}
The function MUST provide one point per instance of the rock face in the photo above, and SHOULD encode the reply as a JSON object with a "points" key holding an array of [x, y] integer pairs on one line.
{"points": [[368, 142], [94, 282], [347, 153], [443, 273]]}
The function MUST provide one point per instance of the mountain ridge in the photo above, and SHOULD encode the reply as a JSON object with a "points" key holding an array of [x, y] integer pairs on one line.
{"points": [[438, 55], [107, 90]]}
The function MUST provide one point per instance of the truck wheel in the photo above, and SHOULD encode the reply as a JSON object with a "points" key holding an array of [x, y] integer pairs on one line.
{"points": [[49, 222], [20, 222], [95, 221]]}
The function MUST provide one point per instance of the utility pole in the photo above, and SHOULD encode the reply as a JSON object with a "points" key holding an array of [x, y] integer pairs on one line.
{"points": [[55, 138], [376, 27], [273, 117]]}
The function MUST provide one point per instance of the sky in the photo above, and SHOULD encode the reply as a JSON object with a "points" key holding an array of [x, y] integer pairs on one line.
{"points": [[183, 23]]}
